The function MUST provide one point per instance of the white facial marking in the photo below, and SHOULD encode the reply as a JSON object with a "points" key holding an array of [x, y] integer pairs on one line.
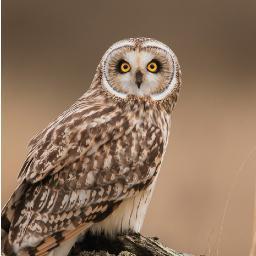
{"points": [[138, 61]]}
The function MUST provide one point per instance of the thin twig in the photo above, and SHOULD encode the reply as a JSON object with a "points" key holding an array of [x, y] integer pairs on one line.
{"points": [[230, 192], [253, 248]]}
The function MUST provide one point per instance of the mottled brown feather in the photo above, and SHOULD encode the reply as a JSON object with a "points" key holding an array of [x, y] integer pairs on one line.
{"points": [[100, 151]]}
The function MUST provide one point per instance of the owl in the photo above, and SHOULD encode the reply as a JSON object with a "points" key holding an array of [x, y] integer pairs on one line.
{"points": [[94, 168]]}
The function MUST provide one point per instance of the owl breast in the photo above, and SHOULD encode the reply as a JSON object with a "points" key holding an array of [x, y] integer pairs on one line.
{"points": [[143, 149]]}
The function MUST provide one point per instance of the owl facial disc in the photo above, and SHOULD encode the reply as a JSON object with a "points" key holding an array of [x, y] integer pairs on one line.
{"points": [[142, 67]]}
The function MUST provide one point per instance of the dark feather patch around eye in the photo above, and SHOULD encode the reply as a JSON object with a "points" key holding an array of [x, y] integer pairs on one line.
{"points": [[159, 65], [119, 64]]}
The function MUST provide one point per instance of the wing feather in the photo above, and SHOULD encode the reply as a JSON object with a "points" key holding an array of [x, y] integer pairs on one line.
{"points": [[80, 132], [79, 168]]}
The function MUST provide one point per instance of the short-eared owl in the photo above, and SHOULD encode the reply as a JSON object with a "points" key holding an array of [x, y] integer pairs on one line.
{"points": [[95, 166]]}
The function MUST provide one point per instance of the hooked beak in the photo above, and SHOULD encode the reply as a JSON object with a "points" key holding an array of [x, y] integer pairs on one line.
{"points": [[138, 78]]}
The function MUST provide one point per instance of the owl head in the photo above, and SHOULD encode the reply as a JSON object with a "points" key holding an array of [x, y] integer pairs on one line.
{"points": [[141, 67]]}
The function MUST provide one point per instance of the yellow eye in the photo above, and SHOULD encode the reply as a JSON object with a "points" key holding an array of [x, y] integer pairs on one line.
{"points": [[152, 67], [125, 67]]}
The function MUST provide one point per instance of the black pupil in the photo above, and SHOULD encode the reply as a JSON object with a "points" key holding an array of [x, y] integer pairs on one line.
{"points": [[152, 66], [125, 66]]}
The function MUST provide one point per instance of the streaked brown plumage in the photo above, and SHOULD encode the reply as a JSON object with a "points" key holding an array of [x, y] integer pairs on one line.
{"points": [[100, 155]]}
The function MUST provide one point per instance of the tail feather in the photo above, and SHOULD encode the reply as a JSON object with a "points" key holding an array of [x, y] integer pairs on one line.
{"points": [[56, 241]]}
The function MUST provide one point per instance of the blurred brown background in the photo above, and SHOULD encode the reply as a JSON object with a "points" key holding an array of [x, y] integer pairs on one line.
{"points": [[50, 52]]}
